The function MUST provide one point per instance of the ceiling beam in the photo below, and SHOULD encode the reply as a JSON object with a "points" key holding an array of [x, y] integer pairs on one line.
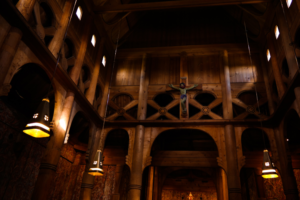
{"points": [[171, 5]]}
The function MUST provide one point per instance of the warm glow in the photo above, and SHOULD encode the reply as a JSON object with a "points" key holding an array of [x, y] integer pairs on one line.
{"points": [[288, 3], [46, 100], [268, 55], [104, 61], [276, 31], [270, 176], [93, 41], [96, 172], [63, 124], [38, 125], [79, 12], [36, 133]]}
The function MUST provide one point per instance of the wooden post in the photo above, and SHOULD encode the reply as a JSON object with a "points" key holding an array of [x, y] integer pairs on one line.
{"points": [[267, 84], [234, 186], [58, 37], [143, 93], [150, 183], [39, 27], [135, 184], [4, 29], [221, 184], [25, 7], [277, 75], [105, 96], [155, 184], [52, 154], [90, 94], [286, 42], [118, 176], [286, 170]]}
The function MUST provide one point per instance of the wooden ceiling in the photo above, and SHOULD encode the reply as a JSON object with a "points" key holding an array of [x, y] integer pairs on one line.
{"points": [[124, 18]]}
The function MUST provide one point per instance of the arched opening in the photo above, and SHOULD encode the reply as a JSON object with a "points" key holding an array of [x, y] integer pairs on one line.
{"points": [[69, 48], [29, 86], [116, 172], [79, 131], [254, 141], [190, 150], [163, 99]]}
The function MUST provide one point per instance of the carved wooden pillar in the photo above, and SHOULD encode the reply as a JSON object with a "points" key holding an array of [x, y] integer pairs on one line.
{"points": [[267, 83], [286, 169], [221, 184], [135, 183], [155, 184], [286, 42], [105, 96], [276, 71], [58, 37], [90, 94], [234, 186], [52, 154], [150, 183]]}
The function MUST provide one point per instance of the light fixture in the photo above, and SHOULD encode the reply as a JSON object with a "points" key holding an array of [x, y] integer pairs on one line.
{"points": [[79, 12], [39, 125], [277, 32], [93, 41], [191, 196], [96, 169], [268, 55], [268, 169], [288, 3]]}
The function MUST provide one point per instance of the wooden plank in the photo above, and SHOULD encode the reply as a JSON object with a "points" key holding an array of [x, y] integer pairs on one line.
{"points": [[133, 7]]}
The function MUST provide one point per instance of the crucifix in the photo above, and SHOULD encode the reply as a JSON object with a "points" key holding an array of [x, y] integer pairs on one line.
{"points": [[183, 95]]}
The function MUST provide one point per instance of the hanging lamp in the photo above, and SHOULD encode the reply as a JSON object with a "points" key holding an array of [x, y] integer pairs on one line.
{"points": [[268, 169], [96, 169], [39, 125]]}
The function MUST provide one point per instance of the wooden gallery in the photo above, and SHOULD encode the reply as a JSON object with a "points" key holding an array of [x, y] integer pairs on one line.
{"points": [[149, 99]]}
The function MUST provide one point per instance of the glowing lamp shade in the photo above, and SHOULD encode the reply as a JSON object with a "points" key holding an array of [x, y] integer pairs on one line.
{"points": [[39, 125], [191, 196], [96, 168], [268, 169]]}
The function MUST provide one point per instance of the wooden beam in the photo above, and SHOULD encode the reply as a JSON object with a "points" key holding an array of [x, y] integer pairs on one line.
{"points": [[134, 7]]}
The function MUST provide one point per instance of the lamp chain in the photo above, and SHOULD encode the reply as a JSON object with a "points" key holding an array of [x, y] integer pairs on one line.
{"points": [[255, 88]]}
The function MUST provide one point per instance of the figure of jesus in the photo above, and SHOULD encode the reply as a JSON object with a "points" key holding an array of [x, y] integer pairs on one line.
{"points": [[183, 96]]}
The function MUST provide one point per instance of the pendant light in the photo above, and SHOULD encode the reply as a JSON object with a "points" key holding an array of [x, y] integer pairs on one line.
{"points": [[268, 169], [96, 169], [39, 125]]}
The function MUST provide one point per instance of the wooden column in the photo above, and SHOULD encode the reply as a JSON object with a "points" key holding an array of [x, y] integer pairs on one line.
{"points": [[286, 42], [155, 184], [267, 83], [90, 94], [52, 154], [276, 71], [221, 184], [234, 186], [150, 183], [25, 7], [135, 183], [57, 41], [4, 29], [286, 170], [105, 96]]}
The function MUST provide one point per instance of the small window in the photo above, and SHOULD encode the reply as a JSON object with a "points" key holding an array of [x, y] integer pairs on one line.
{"points": [[276, 31], [268, 55], [104, 61], [93, 41], [79, 12], [288, 3]]}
